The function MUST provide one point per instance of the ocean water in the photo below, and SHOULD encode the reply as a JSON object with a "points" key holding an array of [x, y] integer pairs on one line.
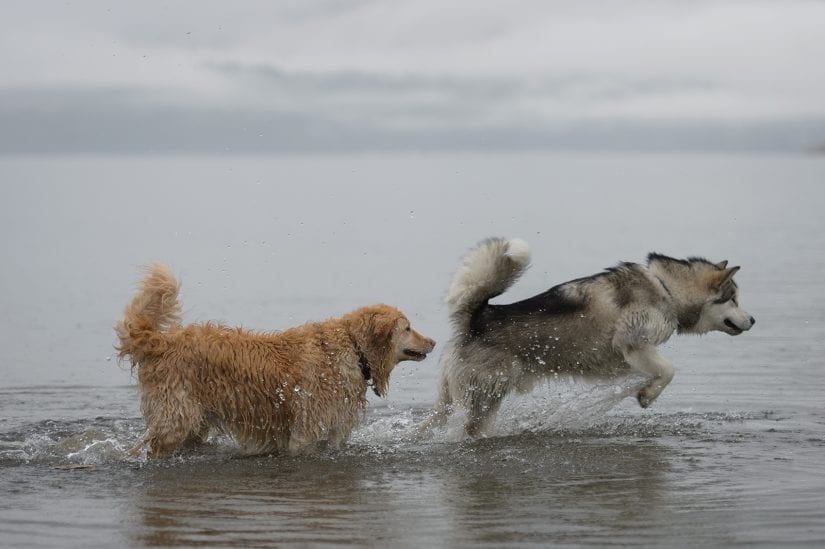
{"points": [[732, 453]]}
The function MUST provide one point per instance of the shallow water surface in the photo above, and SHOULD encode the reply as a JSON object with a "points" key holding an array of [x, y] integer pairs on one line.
{"points": [[731, 453], [630, 478]]}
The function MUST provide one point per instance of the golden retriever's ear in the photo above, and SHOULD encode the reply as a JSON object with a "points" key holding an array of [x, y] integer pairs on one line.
{"points": [[374, 329], [383, 325], [383, 353]]}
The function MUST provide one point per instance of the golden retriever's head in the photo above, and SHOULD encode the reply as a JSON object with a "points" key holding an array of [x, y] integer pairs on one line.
{"points": [[384, 335]]}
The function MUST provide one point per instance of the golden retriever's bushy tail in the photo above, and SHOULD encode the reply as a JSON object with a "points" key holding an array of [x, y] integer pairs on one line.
{"points": [[153, 310], [485, 272]]}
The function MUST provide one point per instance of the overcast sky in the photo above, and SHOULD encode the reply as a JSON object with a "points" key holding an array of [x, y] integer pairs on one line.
{"points": [[273, 75]]}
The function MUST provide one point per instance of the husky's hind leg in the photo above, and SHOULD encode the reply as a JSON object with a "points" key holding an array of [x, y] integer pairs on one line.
{"points": [[482, 407], [646, 359]]}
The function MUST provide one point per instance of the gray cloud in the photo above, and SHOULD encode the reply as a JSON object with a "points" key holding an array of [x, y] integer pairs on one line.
{"points": [[483, 89], [124, 121], [367, 74]]}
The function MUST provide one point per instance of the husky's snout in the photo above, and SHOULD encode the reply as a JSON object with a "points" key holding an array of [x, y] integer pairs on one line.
{"points": [[736, 329]]}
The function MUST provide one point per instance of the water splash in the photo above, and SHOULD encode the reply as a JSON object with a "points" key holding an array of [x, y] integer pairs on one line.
{"points": [[553, 410], [84, 442], [564, 406]]}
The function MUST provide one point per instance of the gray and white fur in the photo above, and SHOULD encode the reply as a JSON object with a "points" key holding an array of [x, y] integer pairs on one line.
{"points": [[597, 327]]}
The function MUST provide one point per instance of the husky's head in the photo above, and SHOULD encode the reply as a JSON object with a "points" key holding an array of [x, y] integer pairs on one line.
{"points": [[705, 294]]}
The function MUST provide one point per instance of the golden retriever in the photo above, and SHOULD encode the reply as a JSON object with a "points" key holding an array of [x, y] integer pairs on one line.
{"points": [[270, 391]]}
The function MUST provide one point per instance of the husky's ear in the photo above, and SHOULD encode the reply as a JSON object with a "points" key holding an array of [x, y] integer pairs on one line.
{"points": [[720, 277], [722, 264]]}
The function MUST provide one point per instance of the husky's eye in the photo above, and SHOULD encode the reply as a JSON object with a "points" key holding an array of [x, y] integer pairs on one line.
{"points": [[723, 299]]}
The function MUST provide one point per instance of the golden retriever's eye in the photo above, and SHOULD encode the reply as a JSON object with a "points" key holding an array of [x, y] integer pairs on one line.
{"points": [[407, 329]]}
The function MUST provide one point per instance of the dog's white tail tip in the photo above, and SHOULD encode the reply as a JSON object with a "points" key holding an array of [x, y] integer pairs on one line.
{"points": [[518, 250]]}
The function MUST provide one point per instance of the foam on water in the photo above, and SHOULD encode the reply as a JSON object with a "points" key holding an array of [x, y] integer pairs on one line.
{"points": [[82, 442]]}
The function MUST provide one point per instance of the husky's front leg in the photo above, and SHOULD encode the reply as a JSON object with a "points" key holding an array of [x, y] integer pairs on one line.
{"points": [[646, 359]]}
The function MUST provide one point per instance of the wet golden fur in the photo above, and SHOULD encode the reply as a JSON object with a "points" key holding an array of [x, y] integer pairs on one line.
{"points": [[271, 391]]}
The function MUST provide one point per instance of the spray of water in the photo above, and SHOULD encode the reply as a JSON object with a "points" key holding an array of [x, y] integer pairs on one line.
{"points": [[558, 408]]}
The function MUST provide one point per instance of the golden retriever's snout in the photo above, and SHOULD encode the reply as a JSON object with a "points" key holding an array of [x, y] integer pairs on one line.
{"points": [[418, 347]]}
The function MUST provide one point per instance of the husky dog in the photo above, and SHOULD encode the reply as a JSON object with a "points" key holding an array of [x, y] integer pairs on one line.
{"points": [[599, 326]]}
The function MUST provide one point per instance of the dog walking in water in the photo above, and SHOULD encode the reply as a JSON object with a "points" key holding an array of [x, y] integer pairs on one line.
{"points": [[270, 391], [597, 327]]}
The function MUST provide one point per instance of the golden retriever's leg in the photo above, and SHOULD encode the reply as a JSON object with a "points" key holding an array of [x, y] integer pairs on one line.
{"points": [[338, 435], [196, 439], [137, 448], [172, 423], [300, 445], [153, 441], [165, 443], [334, 439]]}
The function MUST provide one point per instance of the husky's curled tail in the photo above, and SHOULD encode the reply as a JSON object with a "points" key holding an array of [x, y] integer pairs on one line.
{"points": [[153, 311], [485, 272]]}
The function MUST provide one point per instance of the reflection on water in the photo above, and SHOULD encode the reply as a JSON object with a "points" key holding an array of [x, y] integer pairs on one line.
{"points": [[508, 490], [539, 490], [253, 500]]}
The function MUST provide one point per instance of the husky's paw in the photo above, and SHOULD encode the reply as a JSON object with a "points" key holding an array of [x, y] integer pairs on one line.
{"points": [[644, 397]]}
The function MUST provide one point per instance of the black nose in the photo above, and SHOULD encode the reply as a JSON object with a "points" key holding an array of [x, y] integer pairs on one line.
{"points": [[753, 321]]}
